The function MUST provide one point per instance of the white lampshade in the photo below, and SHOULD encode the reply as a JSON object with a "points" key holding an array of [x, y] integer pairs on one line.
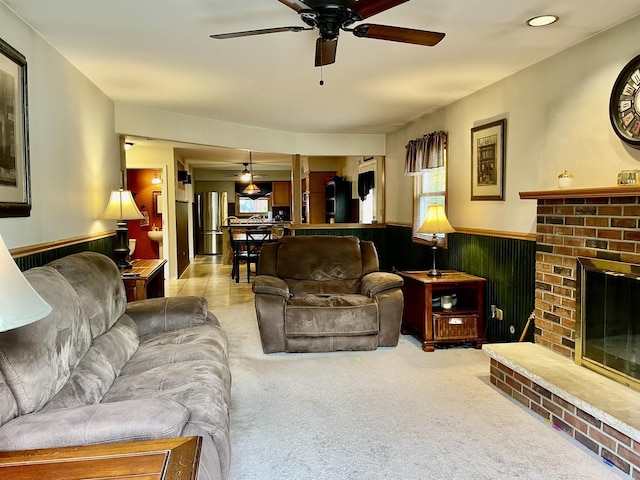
{"points": [[436, 221], [121, 207], [20, 304]]}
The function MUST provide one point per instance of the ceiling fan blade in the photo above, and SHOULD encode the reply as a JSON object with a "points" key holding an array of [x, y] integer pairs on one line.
{"points": [[326, 51], [398, 34], [297, 5], [248, 33], [369, 8]]}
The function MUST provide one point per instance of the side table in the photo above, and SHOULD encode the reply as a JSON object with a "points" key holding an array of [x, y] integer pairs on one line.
{"points": [[161, 459], [432, 324], [145, 279]]}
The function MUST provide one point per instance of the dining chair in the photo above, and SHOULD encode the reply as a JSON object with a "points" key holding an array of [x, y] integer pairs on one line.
{"points": [[254, 239]]}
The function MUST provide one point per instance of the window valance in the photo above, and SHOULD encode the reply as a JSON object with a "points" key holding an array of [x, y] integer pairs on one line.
{"points": [[426, 152]]}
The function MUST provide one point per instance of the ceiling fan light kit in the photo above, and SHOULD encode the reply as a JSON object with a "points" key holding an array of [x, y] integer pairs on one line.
{"points": [[331, 16]]}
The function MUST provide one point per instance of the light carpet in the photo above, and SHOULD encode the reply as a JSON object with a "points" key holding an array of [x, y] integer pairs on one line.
{"points": [[392, 413]]}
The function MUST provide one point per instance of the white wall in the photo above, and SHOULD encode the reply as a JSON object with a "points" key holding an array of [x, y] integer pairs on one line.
{"points": [[159, 124], [73, 148], [557, 118]]}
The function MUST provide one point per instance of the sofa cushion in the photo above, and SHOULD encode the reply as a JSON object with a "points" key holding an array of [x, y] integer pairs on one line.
{"points": [[319, 258], [103, 423], [331, 315], [201, 386], [96, 372], [37, 359], [302, 288], [97, 280], [184, 345]]}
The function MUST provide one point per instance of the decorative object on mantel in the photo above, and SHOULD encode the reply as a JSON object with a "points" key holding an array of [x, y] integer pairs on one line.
{"points": [[624, 104], [15, 188], [487, 161], [565, 180], [628, 177]]}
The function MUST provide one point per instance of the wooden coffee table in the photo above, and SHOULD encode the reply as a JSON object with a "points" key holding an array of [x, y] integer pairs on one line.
{"points": [[161, 459]]}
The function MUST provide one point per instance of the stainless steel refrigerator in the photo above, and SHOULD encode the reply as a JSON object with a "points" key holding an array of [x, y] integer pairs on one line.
{"points": [[211, 217]]}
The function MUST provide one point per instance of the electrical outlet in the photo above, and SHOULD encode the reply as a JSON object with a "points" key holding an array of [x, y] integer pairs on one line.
{"points": [[499, 314]]}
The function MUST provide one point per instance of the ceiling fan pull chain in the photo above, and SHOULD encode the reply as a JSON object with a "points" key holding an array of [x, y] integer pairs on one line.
{"points": [[321, 80]]}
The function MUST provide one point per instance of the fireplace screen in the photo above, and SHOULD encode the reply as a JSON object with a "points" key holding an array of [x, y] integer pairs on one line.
{"points": [[609, 318]]}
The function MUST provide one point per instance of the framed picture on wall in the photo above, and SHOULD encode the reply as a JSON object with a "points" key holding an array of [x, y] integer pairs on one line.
{"points": [[15, 188], [488, 161]]}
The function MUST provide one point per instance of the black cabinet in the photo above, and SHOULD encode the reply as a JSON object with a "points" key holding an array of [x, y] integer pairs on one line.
{"points": [[338, 201]]}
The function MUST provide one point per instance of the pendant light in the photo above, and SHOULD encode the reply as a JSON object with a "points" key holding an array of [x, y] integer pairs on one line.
{"points": [[252, 188]]}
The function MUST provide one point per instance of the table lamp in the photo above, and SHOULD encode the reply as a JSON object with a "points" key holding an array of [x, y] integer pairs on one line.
{"points": [[20, 304], [121, 208], [435, 223]]}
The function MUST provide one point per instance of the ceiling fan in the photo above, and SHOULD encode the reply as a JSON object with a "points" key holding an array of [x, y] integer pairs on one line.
{"points": [[245, 174], [331, 16]]}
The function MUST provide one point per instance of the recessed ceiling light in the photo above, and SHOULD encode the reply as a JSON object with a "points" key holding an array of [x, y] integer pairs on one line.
{"points": [[542, 20]]}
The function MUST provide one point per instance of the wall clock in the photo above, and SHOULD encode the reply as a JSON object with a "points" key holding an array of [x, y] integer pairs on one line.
{"points": [[624, 105]]}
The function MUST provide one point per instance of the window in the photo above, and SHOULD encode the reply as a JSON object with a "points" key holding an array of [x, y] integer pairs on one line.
{"points": [[430, 188], [248, 205]]}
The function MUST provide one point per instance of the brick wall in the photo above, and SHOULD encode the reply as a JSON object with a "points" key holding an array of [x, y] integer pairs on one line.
{"points": [[577, 227], [615, 448]]}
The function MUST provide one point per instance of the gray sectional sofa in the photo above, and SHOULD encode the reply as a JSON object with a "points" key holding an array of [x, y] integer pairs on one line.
{"points": [[99, 370]]}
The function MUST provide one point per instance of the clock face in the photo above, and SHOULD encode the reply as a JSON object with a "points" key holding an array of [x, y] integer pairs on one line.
{"points": [[624, 105]]}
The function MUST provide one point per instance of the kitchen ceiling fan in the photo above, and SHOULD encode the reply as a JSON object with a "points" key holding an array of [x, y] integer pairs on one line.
{"points": [[331, 16], [245, 174]]}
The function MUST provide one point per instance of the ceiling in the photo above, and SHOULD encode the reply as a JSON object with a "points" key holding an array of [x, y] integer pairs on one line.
{"points": [[157, 53]]}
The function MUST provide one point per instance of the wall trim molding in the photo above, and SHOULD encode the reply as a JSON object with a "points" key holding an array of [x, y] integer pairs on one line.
{"points": [[476, 231], [65, 242], [497, 233]]}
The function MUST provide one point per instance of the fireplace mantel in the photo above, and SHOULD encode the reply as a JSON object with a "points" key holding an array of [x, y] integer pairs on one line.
{"points": [[589, 192]]}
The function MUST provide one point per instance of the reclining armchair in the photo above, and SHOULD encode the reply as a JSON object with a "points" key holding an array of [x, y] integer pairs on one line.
{"points": [[324, 293]]}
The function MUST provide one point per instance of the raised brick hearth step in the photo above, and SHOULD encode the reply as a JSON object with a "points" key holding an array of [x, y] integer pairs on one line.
{"points": [[598, 412]]}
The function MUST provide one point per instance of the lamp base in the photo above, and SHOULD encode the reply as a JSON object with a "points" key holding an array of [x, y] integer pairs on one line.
{"points": [[121, 249], [434, 273]]}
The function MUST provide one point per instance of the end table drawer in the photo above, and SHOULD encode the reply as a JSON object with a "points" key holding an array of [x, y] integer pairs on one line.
{"points": [[455, 327]]}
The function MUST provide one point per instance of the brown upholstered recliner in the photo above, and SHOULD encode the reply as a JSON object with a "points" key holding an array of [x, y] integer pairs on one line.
{"points": [[324, 293]]}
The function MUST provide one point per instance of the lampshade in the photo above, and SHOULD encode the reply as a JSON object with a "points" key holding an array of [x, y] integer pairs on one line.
{"points": [[436, 221], [252, 189], [121, 207], [20, 304]]}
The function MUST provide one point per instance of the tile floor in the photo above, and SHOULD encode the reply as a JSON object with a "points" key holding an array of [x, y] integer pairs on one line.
{"points": [[209, 277]]}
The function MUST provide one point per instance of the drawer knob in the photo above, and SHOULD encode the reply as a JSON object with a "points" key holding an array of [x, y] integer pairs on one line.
{"points": [[455, 321]]}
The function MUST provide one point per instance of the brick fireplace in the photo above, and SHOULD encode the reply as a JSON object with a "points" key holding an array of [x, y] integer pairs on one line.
{"points": [[601, 414], [595, 223]]}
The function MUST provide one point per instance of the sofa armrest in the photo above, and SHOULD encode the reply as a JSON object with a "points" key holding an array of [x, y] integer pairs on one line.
{"points": [[376, 282], [271, 286], [128, 420], [165, 314]]}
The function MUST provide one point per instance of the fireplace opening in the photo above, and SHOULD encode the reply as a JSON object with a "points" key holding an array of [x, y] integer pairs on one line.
{"points": [[608, 319]]}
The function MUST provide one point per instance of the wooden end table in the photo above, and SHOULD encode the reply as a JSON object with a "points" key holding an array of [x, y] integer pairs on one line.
{"points": [[161, 459], [145, 279], [433, 324]]}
